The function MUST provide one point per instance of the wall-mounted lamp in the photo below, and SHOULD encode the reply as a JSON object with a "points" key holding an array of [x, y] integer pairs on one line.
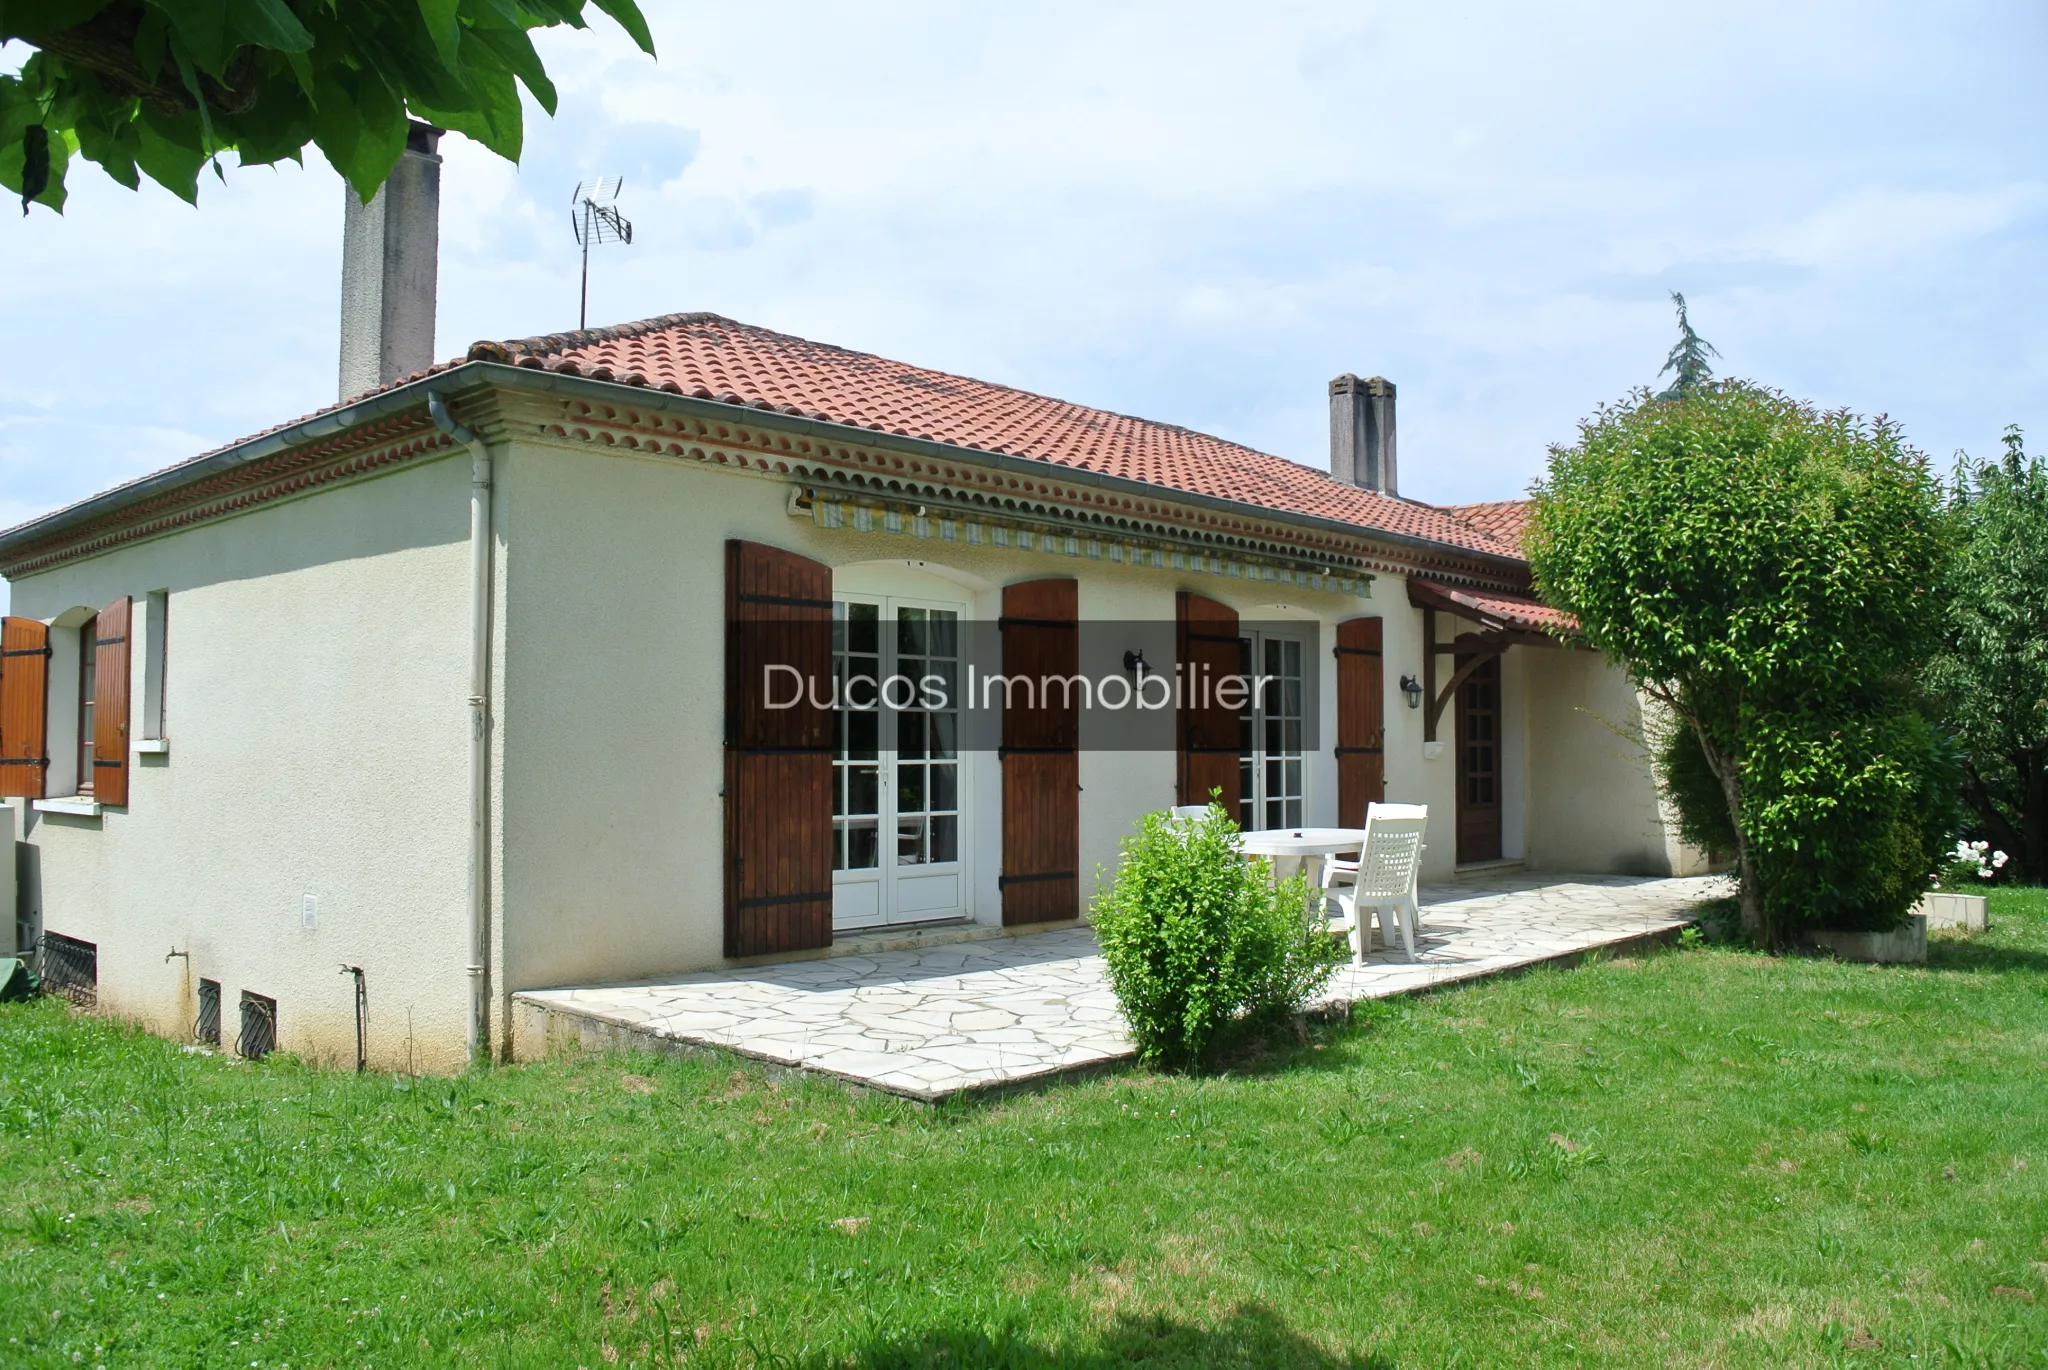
{"points": [[1412, 688], [1135, 663]]}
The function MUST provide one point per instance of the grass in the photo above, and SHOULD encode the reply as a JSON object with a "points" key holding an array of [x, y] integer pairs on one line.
{"points": [[1698, 1157]]}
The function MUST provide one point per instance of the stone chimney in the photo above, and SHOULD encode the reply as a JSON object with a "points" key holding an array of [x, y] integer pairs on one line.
{"points": [[390, 250], [1362, 433]]}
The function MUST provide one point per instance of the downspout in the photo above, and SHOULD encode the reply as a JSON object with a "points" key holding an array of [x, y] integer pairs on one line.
{"points": [[479, 723]]}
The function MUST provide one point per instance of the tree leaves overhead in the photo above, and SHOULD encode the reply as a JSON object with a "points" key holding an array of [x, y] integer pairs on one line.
{"points": [[159, 88]]}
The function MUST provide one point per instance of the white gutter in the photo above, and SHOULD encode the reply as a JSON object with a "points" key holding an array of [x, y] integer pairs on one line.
{"points": [[479, 723]]}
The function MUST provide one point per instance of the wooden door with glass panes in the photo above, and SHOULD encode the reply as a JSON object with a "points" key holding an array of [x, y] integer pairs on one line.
{"points": [[1479, 765], [898, 844]]}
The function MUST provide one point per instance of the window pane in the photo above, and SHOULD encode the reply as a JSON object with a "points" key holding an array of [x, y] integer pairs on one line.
{"points": [[945, 839], [910, 729], [945, 640], [945, 741], [863, 789], [863, 628], [910, 834], [910, 632], [945, 787], [863, 731], [910, 789], [861, 846]]}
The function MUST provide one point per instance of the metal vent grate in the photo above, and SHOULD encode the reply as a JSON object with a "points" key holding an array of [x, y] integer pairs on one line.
{"points": [[207, 1028], [71, 968], [259, 1027]]}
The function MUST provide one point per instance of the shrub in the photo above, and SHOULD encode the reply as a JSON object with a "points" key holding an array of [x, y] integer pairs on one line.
{"points": [[1849, 816], [1766, 574], [1694, 791], [1198, 939]]}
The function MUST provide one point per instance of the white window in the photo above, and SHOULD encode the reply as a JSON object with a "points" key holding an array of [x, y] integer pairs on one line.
{"points": [[156, 616], [897, 839], [1271, 772]]}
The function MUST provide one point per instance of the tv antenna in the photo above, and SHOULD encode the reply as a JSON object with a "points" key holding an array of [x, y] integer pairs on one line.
{"points": [[596, 219]]}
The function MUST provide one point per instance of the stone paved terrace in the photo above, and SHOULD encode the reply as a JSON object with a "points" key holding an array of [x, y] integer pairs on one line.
{"points": [[995, 1013]]}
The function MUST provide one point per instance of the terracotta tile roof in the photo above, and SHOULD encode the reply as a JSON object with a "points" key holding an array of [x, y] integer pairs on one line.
{"points": [[711, 357], [1502, 520], [1492, 607], [715, 358]]}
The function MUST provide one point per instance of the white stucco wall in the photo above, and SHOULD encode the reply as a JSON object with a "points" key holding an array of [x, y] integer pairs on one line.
{"points": [[610, 716], [315, 703], [1593, 800]]}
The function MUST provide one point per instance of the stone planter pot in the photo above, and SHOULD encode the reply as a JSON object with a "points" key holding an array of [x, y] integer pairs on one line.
{"points": [[1956, 910], [1907, 942]]}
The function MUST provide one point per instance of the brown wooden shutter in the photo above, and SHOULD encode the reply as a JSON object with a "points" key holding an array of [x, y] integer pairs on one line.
{"points": [[778, 762], [1361, 720], [24, 707], [1040, 754], [110, 703], [1211, 744]]}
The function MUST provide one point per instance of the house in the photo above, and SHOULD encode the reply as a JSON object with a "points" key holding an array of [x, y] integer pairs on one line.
{"points": [[276, 710], [462, 687]]}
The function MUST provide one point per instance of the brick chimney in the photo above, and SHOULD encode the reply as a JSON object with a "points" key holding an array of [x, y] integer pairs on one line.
{"points": [[1362, 433], [390, 250]]}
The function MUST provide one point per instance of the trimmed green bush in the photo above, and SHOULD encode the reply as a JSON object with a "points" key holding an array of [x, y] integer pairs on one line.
{"points": [[1199, 941], [1849, 816]]}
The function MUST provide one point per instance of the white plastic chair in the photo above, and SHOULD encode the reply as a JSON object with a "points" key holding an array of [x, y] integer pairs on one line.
{"points": [[1188, 813], [1381, 881]]}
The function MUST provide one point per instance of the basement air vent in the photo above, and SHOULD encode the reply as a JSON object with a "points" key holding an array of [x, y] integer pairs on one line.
{"points": [[259, 1027], [207, 1029], [71, 968]]}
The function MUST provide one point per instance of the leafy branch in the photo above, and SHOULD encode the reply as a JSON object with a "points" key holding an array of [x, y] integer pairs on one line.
{"points": [[160, 88]]}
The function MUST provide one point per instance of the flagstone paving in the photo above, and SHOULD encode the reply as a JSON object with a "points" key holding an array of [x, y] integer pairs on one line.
{"points": [[970, 1016]]}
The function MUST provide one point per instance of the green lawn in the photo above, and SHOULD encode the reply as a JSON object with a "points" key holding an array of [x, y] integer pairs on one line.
{"points": [[1699, 1157]]}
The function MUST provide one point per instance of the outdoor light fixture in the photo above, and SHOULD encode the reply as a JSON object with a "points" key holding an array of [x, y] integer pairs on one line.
{"points": [[1135, 663], [1412, 688]]}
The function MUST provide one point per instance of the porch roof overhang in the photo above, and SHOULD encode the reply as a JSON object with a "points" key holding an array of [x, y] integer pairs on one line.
{"points": [[1517, 618], [1504, 621]]}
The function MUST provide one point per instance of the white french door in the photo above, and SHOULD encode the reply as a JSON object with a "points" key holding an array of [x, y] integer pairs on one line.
{"points": [[1271, 770], [898, 838]]}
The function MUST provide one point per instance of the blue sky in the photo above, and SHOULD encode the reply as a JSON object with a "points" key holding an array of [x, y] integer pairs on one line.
{"points": [[1193, 212]]}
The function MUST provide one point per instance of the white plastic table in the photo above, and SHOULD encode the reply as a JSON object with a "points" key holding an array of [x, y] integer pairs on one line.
{"points": [[1316, 842], [1304, 845]]}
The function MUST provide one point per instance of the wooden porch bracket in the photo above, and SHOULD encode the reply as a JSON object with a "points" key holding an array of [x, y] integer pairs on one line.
{"points": [[1496, 635]]}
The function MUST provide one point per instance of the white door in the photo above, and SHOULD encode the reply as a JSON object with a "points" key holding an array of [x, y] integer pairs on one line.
{"points": [[898, 831], [1272, 777]]}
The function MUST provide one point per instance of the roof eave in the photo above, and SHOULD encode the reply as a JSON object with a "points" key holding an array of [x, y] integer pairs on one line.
{"points": [[469, 377], [327, 424], [1001, 461]]}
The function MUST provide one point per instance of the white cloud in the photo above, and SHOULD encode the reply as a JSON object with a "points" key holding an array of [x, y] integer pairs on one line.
{"points": [[1194, 211]]}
